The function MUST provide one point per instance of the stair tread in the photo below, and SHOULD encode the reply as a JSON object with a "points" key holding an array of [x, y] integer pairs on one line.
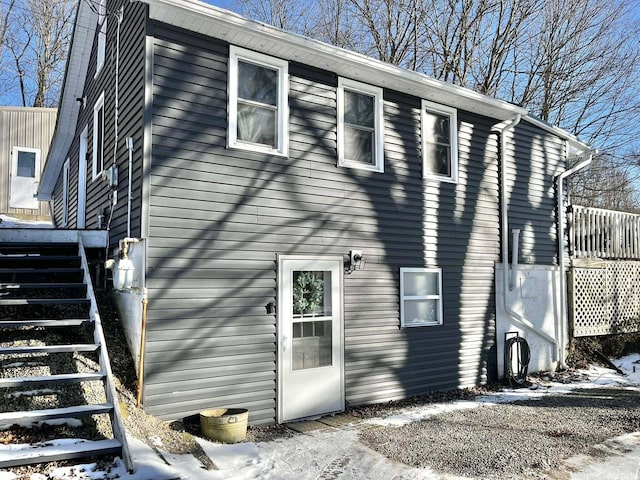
{"points": [[76, 347], [68, 449], [38, 257], [21, 285], [43, 301], [8, 418], [41, 270], [65, 378], [45, 322]]}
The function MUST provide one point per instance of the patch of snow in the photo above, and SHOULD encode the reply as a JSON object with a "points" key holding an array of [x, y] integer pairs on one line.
{"points": [[22, 364], [8, 476], [31, 393], [11, 222]]}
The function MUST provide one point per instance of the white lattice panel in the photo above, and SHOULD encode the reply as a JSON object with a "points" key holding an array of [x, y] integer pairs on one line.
{"points": [[606, 299]]}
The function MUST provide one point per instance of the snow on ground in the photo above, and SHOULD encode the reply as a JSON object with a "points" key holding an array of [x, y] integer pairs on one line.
{"points": [[320, 454], [10, 222]]}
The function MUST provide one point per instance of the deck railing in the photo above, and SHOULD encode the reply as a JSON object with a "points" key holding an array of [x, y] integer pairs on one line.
{"points": [[606, 234]]}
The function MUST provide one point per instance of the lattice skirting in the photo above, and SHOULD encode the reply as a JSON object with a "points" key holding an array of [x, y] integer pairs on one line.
{"points": [[605, 298]]}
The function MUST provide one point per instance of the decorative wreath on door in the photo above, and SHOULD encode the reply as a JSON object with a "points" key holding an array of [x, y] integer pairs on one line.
{"points": [[308, 292]]}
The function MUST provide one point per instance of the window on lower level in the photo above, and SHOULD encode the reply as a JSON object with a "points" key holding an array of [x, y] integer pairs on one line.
{"points": [[258, 103], [360, 126], [420, 297], [439, 142]]}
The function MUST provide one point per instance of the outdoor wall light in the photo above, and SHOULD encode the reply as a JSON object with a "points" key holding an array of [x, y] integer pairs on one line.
{"points": [[356, 262]]}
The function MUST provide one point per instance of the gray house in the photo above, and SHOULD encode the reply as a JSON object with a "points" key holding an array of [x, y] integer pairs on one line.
{"points": [[297, 228], [25, 134]]}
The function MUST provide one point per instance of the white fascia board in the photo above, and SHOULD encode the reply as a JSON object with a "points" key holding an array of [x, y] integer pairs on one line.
{"points": [[576, 146], [74, 79], [215, 22]]}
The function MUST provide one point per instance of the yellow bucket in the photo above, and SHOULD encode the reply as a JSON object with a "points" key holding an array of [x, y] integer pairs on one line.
{"points": [[226, 425]]}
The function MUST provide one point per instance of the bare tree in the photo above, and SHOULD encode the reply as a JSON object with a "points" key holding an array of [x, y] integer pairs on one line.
{"points": [[37, 38], [391, 29], [285, 14]]}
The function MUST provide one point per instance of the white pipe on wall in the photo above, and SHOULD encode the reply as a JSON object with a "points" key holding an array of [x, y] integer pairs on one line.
{"points": [[515, 248], [504, 241], [561, 219]]}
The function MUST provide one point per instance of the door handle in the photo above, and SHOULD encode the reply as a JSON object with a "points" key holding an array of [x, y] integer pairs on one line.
{"points": [[283, 343]]}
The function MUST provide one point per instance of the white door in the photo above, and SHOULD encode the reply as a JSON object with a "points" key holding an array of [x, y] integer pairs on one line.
{"points": [[25, 175], [310, 333], [82, 177]]}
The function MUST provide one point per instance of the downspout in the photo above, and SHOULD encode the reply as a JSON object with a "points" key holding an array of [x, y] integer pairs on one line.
{"points": [[563, 289], [504, 240]]}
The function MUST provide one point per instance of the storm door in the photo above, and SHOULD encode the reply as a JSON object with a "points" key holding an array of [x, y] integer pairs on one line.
{"points": [[310, 337]]}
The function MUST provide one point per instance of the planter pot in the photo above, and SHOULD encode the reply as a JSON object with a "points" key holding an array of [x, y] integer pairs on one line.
{"points": [[226, 425]]}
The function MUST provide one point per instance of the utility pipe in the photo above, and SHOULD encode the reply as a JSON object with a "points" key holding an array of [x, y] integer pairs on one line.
{"points": [[560, 206], [143, 335], [130, 149], [515, 248], [504, 240]]}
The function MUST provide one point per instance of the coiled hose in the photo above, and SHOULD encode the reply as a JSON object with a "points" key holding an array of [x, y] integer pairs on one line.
{"points": [[523, 355]]}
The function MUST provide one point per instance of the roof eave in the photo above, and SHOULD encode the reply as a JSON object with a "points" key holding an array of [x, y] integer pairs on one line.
{"points": [[69, 109], [230, 27]]}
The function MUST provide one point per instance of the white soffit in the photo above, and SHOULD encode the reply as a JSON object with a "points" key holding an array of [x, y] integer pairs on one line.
{"points": [[212, 21]]}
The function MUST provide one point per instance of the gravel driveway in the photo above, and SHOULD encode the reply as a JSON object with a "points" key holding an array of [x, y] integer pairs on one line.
{"points": [[525, 439]]}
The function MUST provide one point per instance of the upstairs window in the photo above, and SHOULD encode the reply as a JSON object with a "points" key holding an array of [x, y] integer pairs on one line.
{"points": [[258, 103], [420, 297], [98, 137], [102, 35], [360, 128], [439, 142]]}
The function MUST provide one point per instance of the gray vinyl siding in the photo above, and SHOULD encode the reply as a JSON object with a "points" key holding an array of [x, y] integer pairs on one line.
{"points": [[23, 127], [130, 123], [540, 157], [219, 217]]}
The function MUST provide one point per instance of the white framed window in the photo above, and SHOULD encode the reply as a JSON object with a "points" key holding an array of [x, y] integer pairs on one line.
{"points": [[98, 137], [439, 142], [65, 193], [420, 297], [360, 126], [258, 102], [102, 35]]}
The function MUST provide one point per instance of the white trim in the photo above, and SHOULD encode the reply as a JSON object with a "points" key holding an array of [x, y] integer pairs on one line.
{"points": [[65, 193], [378, 147], [437, 296], [282, 67], [96, 108], [82, 178], [452, 113]]}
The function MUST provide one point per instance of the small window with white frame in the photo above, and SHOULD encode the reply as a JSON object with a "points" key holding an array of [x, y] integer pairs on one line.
{"points": [[360, 125], [102, 35], [65, 193], [439, 142], [258, 102], [420, 297], [98, 137]]}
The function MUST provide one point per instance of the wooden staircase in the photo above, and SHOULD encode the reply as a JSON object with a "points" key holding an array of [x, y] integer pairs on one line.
{"points": [[52, 351]]}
